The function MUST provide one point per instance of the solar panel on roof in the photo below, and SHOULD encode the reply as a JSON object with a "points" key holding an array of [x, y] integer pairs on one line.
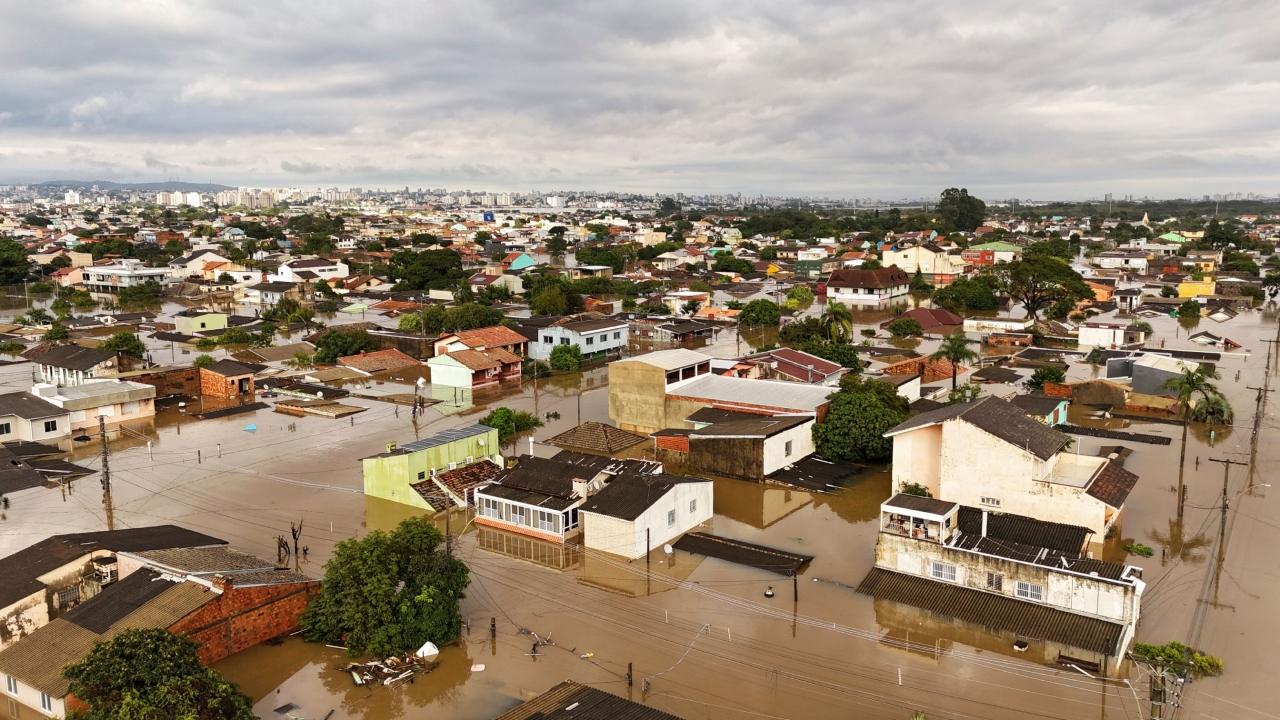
{"points": [[445, 436]]}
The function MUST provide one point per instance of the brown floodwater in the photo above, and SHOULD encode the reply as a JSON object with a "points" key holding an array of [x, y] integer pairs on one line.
{"points": [[700, 631]]}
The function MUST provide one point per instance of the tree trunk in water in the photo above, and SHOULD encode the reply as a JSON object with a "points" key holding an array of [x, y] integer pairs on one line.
{"points": [[1182, 463], [955, 370]]}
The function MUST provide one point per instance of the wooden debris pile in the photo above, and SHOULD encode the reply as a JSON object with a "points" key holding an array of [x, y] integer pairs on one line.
{"points": [[389, 671]]}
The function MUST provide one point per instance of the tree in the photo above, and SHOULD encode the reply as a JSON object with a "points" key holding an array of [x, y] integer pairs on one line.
{"points": [[550, 300], [1189, 309], [691, 307], [840, 353], [857, 419], [125, 343], [905, 327], [1179, 658], [967, 294], [557, 245], [202, 361], [596, 255], [341, 343], [143, 294], [510, 423], [758, 313], [799, 297], [1040, 281], [426, 270], [955, 350], [14, 265], [961, 211], [389, 592], [469, 316], [802, 331], [57, 332], [728, 263], [566, 358], [769, 253], [150, 674], [1189, 387], [61, 308], [1053, 247], [1042, 375], [837, 322], [919, 285]]}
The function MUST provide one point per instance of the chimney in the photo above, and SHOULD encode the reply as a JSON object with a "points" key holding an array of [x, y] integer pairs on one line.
{"points": [[984, 523], [221, 583]]}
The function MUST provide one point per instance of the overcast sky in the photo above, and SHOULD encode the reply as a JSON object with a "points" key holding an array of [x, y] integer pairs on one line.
{"points": [[900, 98]]}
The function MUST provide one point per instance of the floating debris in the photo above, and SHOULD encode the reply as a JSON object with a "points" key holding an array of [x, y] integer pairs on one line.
{"points": [[388, 671]]}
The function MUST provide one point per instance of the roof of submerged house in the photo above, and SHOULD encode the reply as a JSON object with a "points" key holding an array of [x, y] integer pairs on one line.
{"points": [[996, 417]]}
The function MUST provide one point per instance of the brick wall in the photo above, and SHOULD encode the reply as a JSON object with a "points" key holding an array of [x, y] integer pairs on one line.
{"points": [[178, 381], [214, 385], [1057, 390], [244, 617]]}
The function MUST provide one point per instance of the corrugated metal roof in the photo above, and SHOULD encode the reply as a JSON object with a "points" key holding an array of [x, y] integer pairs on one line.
{"points": [[571, 701], [768, 393], [444, 437], [994, 611]]}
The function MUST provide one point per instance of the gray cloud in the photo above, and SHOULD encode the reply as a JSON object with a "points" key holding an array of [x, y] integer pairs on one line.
{"points": [[867, 99]]}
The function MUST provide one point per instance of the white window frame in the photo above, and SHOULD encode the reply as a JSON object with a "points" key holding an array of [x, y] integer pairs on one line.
{"points": [[995, 582], [47, 424], [786, 449], [671, 518], [942, 571], [989, 501], [6, 428], [1029, 591], [11, 684], [46, 702]]}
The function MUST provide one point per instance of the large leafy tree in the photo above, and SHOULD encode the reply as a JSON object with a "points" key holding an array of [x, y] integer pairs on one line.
{"points": [[469, 316], [510, 423], [150, 674], [960, 210], [759, 312], [1040, 281], [968, 294], [125, 343], [14, 265], [837, 321], [955, 350], [389, 592], [340, 343], [857, 419], [426, 270], [551, 300], [566, 358]]}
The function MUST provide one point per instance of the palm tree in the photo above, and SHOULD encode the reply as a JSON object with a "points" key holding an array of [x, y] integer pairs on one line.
{"points": [[955, 349], [1189, 387], [838, 322]]}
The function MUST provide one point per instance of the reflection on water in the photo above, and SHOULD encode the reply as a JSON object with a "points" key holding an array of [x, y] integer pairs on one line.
{"points": [[522, 547], [757, 504]]}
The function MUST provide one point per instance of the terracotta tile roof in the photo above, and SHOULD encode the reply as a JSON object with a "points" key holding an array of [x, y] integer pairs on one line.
{"points": [[395, 305], [459, 482], [474, 359], [597, 436], [892, 276], [494, 336], [378, 360], [1113, 484]]}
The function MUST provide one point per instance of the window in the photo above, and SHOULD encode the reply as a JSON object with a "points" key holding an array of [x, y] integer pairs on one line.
{"points": [[5, 429], [786, 448], [942, 571], [995, 582], [68, 596], [13, 709], [990, 501], [564, 341], [46, 703], [693, 506], [617, 336], [591, 339], [520, 515], [671, 518], [1029, 591], [422, 474], [50, 425], [548, 340], [11, 684]]}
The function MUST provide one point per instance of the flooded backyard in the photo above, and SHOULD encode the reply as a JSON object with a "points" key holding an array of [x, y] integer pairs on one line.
{"points": [[700, 636]]}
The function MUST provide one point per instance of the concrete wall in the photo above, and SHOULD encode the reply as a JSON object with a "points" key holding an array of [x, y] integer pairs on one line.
{"points": [[214, 385], [1081, 594], [23, 429], [628, 538], [28, 700], [637, 396], [389, 477], [447, 372], [975, 465], [175, 381], [917, 458], [775, 454], [191, 325]]}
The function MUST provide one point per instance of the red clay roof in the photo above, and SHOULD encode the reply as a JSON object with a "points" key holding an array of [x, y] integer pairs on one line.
{"points": [[495, 336], [378, 360]]}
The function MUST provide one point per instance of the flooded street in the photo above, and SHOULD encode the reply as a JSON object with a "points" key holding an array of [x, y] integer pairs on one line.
{"points": [[700, 636]]}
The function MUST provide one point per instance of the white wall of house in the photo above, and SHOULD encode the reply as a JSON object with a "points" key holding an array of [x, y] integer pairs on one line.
{"points": [[609, 340], [13, 427], [447, 372], [1095, 336], [864, 296], [34, 700], [690, 502], [1075, 592], [917, 458], [787, 447]]}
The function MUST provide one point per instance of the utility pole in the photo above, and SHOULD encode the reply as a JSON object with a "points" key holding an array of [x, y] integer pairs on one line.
{"points": [[1222, 522], [1157, 693], [106, 475]]}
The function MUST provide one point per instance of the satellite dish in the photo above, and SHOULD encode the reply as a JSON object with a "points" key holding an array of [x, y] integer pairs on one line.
{"points": [[667, 549], [320, 394], [422, 382]]}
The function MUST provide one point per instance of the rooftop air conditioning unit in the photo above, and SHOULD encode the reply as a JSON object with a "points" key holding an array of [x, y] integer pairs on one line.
{"points": [[106, 570]]}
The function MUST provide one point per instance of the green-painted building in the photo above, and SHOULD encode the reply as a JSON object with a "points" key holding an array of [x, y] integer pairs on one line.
{"points": [[190, 322], [391, 475]]}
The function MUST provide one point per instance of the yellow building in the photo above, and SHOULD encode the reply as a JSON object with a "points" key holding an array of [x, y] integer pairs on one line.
{"points": [[1196, 288]]}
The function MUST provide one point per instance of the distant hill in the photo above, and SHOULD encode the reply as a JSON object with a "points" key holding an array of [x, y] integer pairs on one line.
{"points": [[170, 186]]}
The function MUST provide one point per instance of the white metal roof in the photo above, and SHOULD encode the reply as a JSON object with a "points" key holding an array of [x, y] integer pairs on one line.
{"points": [[771, 393], [672, 359]]}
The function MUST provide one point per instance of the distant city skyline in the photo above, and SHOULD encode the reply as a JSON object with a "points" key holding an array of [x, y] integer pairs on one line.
{"points": [[869, 100]]}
